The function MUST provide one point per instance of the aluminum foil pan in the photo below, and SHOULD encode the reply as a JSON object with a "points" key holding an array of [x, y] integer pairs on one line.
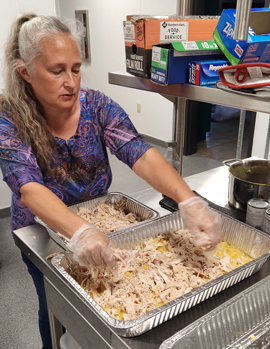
{"points": [[144, 212], [242, 322], [250, 240]]}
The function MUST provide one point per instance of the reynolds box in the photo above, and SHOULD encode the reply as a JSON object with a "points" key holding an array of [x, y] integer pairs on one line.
{"points": [[257, 46], [205, 73], [170, 61], [142, 32]]}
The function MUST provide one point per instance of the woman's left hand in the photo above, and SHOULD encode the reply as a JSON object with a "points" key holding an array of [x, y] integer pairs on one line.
{"points": [[203, 223]]}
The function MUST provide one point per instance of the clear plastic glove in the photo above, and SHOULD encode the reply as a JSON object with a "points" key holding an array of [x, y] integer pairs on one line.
{"points": [[203, 223], [92, 247]]}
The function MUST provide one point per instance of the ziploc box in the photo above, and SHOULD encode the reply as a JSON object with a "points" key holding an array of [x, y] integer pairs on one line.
{"points": [[256, 48], [205, 73], [170, 61], [141, 33]]}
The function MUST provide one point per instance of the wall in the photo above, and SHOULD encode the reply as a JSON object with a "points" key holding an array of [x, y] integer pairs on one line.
{"points": [[260, 135], [9, 10], [108, 54]]}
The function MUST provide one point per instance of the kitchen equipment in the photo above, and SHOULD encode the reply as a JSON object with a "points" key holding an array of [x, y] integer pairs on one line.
{"points": [[250, 240], [248, 179], [242, 322], [266, 221], [132, 205], [68, 342], [255, 212]]}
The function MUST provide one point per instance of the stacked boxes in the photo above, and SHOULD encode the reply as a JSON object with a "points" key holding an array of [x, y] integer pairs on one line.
{"points": [[143, 32], [170, 62]]}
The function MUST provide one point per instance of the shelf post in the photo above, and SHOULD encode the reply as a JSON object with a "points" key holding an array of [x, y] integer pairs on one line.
{"points": [[243, 8], [183, 7], [240, 134], [179, 127], [179, 112], [266, 149]]}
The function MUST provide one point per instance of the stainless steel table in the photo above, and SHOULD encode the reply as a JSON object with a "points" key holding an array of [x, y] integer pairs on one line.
{"points": [[83, 323]]}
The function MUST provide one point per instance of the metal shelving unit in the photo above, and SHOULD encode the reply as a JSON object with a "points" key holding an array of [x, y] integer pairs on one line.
{"points": [[179, 93], [197, 93], [213, 95]]}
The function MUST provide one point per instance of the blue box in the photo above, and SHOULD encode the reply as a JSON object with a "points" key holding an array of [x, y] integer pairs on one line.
{"points": [[170, 61], [205, 73], [256, 48]]}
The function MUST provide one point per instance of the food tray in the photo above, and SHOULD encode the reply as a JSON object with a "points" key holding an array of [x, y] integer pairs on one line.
{"points": [[132, 205], [250, 240], [242, 322]]}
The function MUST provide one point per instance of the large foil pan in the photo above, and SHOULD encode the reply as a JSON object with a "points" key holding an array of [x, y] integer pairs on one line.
{"points": [[250, 240], [242, 322], [144, 212]]}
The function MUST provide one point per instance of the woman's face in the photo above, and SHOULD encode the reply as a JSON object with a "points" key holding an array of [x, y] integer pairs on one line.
{"points": [[56, 77]]}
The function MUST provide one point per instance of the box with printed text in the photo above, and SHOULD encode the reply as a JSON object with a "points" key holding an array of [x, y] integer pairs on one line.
{"points": [[257, 46], [205, 73], [170, 61], [141, 32]]}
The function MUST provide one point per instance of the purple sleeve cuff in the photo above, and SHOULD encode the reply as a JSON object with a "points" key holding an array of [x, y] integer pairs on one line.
{"points": [[132, 151]]}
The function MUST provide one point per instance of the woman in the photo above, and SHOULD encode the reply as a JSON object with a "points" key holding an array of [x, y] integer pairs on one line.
{"points": [[53, 139]]}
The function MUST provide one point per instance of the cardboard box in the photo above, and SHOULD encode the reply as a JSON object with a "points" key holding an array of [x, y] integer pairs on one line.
{"points": [[205, 73], [170, 61], [256, 48], [141, 33]]}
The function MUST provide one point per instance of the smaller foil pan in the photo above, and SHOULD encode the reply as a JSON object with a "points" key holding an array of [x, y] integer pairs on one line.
{"points": [[248, 239], [144, 212], [242, 322]]}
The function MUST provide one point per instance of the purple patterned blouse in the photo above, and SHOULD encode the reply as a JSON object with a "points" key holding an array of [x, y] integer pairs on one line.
{"points": [[81, 167]]}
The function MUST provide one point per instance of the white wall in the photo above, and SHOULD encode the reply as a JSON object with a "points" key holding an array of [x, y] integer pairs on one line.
{"points": [[108, 54], [9, 10], [260, 135]]}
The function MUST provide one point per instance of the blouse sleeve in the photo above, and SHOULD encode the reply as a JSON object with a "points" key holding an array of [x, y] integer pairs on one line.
{"points": [[120, 135], [17, 161]]}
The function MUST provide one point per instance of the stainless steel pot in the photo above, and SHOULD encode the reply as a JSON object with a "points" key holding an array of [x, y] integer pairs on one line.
{"points": [[248, 179]]}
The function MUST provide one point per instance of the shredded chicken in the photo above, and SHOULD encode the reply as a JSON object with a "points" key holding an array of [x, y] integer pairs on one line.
{"points": [[155, 272], [50, 256], [109, 217]]}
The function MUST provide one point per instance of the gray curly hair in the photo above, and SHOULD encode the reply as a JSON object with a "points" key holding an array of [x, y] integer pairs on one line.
{"points": [[18, 99]]}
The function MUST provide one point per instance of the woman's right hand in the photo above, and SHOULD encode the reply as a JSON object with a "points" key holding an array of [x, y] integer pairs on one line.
{"points": [[92, 247]]}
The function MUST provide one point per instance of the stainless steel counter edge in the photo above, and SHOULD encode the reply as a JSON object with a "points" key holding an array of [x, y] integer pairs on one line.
{"points": [[192, 92]]}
